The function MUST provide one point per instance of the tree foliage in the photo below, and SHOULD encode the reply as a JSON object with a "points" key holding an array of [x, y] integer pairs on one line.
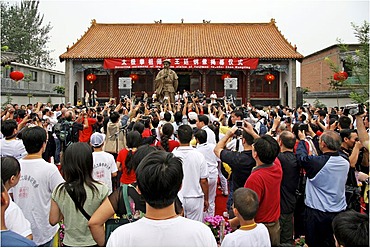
{"points": [[23, 32], [357, 63]]}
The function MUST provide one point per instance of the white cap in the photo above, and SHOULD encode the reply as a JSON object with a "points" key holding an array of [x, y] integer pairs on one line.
{"points": [[97, 139], [192, 116]]}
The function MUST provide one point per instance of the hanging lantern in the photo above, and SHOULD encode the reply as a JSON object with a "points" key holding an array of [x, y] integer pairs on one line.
{"points": [[16, 75], [91, 77], [269, 77], [225, 75], [134, 77], [340, 76]]}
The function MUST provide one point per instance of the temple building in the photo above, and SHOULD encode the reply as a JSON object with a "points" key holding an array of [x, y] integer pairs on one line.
{"points": [[255, 55]]}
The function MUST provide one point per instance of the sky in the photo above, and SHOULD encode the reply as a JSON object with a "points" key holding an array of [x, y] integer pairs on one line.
{"points": [[311, 25]]}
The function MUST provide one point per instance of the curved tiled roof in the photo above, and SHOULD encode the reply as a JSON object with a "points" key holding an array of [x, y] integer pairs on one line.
{"points": [[180, 40]]}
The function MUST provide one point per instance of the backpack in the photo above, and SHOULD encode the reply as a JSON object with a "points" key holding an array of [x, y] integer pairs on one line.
{"points": [[63, 131], [263, 129]]}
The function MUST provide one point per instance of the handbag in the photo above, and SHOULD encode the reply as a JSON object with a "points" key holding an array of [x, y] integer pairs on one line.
{"points": [[112, 224]]}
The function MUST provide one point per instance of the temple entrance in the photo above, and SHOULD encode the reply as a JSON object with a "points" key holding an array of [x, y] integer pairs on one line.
{"points": [[75, 93], [184, 83]]}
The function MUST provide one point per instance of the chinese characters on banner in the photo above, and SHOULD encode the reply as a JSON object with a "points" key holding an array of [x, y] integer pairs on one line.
{"points": [[202, 63]]}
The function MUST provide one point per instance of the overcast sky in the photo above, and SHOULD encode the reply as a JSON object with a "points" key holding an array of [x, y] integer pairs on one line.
{"points": [[311, 25]]}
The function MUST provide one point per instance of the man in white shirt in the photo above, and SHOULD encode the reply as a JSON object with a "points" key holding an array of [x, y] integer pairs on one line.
{"points": [[213, 97], [212, 162], [194, 190], [38, 180], [159, 178], [202, 123], [105, 166]]}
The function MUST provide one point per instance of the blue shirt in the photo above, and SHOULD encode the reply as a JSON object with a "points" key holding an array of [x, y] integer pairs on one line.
{"points": [[12, 239], [326, 179]]}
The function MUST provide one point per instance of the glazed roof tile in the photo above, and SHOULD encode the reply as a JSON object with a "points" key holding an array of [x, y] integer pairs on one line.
{"points": [[181, 40]]}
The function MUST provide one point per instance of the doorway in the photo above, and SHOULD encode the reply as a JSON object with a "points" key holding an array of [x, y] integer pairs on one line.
{"points": [[75, 93], [286, 95], [184, 83]]}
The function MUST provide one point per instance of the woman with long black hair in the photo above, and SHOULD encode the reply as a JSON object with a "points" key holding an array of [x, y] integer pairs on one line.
{"points": [[79, 193], [133, 141], [166, 142]]}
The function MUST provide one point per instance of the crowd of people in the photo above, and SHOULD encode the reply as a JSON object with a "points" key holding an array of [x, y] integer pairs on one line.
{"points": [[286, 172]]}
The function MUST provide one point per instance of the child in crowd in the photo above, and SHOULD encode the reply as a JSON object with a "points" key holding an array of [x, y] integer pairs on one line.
{"points": [[249, 234], [351, 228], [105, 166]]}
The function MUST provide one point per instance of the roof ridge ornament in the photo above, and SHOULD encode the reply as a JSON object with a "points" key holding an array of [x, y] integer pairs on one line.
{"points": [[272, 21], [93, 22]]}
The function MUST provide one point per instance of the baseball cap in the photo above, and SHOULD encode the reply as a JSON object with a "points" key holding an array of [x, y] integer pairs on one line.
{"points": [[97, 139], [192, 116], [262, 113]]}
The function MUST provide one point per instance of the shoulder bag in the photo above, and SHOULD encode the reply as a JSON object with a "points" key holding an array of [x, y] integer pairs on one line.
{"points": [[112, 224], [82, 210]]}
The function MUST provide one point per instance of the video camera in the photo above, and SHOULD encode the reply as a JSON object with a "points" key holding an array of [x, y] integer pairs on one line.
{"points": [[287, 119], [239, 125], [354, 109]]}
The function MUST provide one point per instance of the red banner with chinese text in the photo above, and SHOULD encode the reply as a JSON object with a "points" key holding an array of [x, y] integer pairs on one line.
{"points": [[202, 63]]}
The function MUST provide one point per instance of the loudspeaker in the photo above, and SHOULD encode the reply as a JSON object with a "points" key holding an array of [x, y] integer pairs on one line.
{"points": [[124, 92], [232, 93], [230, 83], [124, 83], [124, 87]]}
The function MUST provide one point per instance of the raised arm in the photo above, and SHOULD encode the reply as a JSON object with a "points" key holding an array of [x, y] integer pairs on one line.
{"points": [[361, 131]]}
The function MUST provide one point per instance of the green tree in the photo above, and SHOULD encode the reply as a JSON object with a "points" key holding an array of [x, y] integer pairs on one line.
{"points": [[357, 63], [22, 30]]}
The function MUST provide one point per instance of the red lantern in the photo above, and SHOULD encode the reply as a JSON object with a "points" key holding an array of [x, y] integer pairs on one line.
{"points": [[134, 77], [226, 75], [16, 75], [91, 77], [340, 76], [269, 77]]}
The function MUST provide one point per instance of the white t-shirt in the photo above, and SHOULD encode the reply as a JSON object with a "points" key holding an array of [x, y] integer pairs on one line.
{"points": [[33, 195], [104, 166], [195, 168], [15, 220], [257, 237], [173, 232], [211, 136], [212, 160], [13, 148]]}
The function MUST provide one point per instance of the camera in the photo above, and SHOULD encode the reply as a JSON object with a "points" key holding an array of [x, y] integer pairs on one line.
{"points": [[306, 105], [354, 109], [303, 127], [239, 124], [314, 117]]}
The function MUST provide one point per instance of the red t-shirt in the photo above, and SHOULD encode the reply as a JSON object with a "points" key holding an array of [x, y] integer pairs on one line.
{"points": [[172, 144], [146, 133], [86, 133], [266, 181], [125, 178]]}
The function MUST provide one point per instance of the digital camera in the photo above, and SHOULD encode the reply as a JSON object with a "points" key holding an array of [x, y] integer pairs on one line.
{"points": [[354, 109], [239, 124]]}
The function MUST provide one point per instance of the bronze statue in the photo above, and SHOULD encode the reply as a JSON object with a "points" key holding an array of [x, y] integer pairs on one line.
{"points": [[166, 83]]}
